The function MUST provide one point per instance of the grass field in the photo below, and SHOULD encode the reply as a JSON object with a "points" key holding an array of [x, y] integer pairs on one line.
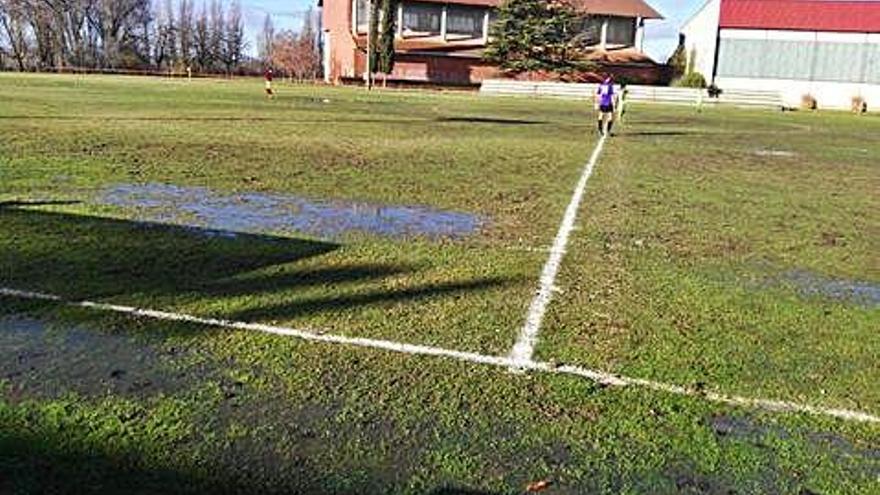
{"points": [[728, 252]]}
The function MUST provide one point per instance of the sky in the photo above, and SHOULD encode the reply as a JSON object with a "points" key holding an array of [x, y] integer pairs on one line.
{"points": [[660, 36]]}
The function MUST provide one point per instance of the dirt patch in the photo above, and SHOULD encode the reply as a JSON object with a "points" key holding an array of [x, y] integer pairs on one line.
{"points": [[264, 213]]}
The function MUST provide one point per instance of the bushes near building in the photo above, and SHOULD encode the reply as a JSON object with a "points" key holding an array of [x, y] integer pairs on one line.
{"points": [[690, 80]]}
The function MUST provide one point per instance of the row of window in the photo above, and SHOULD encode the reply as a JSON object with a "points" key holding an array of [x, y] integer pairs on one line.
{"points": [[424, 19], [620, 30]]}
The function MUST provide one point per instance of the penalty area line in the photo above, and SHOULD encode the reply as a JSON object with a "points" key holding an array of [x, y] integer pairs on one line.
{"points": [[601, 377]]}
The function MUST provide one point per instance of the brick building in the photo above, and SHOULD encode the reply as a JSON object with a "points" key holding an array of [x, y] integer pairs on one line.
{"points": [[442, 41]]}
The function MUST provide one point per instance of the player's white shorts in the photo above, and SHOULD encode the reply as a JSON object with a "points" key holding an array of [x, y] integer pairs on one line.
{"points": [[268, 84]]}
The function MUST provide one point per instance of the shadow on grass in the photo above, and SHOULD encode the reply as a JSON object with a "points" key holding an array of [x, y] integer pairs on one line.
{"points": [[460, 491], [490, 120], [323, 304], [16, 204], [92, 258], [45, 464], [661, 133], [360, 120], [86, 257], [289, 120], [52, 463]]}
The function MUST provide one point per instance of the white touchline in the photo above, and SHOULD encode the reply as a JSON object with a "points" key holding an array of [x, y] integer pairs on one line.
{"points": [[525, 346], [471, 357]]}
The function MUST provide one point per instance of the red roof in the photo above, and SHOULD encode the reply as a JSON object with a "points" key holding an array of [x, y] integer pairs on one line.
{"points": [[624, 8], [802, 15]]}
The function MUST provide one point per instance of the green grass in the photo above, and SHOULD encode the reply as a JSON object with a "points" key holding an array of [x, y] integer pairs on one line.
{"points": [[680, 272]]}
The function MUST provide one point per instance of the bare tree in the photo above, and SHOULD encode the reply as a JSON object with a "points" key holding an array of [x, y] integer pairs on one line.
{"points": [[309, 47], [53, 34], [234, 42], [284, 55], [266, 39], [164, 38], [14, 25], [298, 56], [218, 33], [47, 43], [202, 41], [117, 23], [185, 31]]}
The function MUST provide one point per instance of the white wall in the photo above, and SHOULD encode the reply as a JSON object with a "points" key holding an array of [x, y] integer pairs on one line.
{"points": [[700, 33], [828, 94]]}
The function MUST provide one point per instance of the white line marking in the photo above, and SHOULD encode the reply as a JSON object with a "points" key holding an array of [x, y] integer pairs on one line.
{"points": [[525, 346], [258, 327], [471, 357]]}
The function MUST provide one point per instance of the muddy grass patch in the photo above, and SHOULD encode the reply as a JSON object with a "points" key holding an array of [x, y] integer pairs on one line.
{"points": [[50, 360]]}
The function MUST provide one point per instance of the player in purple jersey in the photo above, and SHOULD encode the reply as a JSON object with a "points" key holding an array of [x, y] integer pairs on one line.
{"points": [[605, 105]]}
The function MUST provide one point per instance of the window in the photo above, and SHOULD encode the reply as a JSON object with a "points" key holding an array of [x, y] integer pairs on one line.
{"points": [[466, 21], [422, 18], [361, 15], [591, 29], [621, 31]]}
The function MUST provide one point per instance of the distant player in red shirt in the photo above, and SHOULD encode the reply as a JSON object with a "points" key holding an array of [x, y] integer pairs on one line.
{"points": [[268, 77]]}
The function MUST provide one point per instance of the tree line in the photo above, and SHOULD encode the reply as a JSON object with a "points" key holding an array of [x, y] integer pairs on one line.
{"points": [[45, 35]]}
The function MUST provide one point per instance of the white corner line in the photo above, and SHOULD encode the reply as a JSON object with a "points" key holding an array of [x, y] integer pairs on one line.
{"points": [[304, 334], [524, 348], [597, 376]]}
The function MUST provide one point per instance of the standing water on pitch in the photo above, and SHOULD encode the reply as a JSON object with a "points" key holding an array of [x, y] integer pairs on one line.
{"points": [[272, 212]]}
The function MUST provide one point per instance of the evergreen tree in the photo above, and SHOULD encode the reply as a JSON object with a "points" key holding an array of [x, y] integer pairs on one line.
{"points": [[384, 47], [678, 60], [535, 35]]}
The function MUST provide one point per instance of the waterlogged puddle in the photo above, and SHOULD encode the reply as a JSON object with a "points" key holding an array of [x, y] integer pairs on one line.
{"points": [[265, 213], [38, 359], [747, 430], [853, 291]]}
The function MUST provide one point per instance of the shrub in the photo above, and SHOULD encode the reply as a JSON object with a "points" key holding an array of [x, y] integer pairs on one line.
{"points": [[859, 105], [808, 102], [690, 80]]}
